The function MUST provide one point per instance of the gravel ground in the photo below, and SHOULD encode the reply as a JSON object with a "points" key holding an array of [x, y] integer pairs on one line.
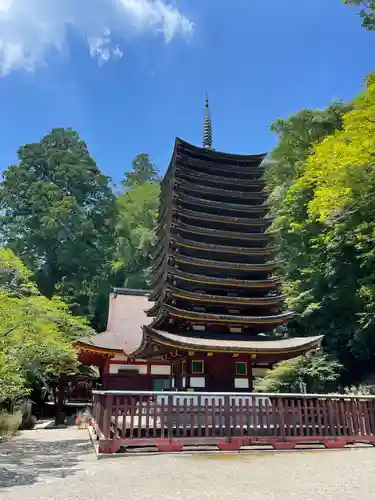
{"points": [[60, 464]]}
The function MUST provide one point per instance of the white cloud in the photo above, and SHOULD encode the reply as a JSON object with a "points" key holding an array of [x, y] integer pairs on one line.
{"points": [[31, 28]]}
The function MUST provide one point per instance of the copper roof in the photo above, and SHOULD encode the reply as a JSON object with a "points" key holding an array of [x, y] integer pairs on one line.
{"points": [[126, 317]]}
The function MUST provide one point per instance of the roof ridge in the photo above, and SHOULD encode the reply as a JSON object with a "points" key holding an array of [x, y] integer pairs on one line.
{"points": [[130, 291]]}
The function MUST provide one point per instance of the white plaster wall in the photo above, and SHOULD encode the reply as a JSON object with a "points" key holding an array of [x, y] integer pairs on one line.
{"points": [[259, 372], [197, 382], [120, 357], [115, 367], [241, 383], [160, 370], [199, 328]]}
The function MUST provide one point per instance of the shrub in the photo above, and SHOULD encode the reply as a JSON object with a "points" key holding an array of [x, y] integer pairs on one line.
{"points": [[9, 423], [360, 390], [317, 371]]}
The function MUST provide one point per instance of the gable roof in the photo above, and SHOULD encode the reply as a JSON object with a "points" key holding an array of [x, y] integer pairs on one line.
{"points": [[126, 317]]}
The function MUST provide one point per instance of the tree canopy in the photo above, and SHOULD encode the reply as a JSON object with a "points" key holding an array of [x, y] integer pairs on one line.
{"points": [[36, 333], [58, 215], [142, 170], [136, 221], [366, 12], [326, 234], [318, 372]]}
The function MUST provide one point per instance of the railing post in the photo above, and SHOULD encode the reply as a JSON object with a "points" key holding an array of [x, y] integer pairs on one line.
{"points": [[281, 412], [107, 417], [227, 416], [170, 416]]}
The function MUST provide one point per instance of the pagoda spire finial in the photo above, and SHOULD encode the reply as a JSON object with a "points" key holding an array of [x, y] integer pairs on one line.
{"points": [[207, 128]]}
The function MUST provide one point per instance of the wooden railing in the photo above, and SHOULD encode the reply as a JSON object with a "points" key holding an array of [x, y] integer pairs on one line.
{"points": [[171, 421]]}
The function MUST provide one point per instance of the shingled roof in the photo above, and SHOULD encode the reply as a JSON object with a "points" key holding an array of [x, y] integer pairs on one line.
{"points": [[126, 317]]}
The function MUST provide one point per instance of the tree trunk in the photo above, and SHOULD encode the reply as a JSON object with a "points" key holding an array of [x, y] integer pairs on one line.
{"points": [[60, 414]]}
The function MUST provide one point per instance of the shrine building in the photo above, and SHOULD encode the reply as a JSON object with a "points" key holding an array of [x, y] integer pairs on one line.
{"points": [[109, 350]]}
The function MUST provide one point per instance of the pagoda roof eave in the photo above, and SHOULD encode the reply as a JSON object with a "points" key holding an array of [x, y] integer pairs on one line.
{"points": [[209, 280], [212, 154], [96, 349], [177, 273], [220, 233], [194, 214], [155, 340], [224, 299], [193, 316], [219, 264], [228, 207], [161, 247], [209, 189], [190, 175], [227, 300], [222, 248]]}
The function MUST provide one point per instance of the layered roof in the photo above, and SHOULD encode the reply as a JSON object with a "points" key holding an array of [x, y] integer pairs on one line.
{"points": [[157, 342], [214, 260]]}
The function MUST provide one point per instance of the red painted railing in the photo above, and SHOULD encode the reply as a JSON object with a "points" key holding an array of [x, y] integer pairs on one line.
{"points": [[170, 421]]}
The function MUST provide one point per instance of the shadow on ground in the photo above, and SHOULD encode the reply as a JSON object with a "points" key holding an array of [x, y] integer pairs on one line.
{"points": [[25, 461]]}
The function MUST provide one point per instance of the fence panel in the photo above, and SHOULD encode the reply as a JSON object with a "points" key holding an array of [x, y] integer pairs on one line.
{"points": [[229, 420]]}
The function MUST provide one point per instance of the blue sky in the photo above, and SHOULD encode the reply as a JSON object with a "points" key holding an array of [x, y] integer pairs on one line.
{"points": [[130, 75]]}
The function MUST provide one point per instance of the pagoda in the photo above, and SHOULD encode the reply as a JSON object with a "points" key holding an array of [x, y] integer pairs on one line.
{"points": [[216, 300]]}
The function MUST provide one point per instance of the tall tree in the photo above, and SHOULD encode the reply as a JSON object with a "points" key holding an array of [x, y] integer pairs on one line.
{"points": [[136, 222], [143, 170], [327, 238], [366, 11], [58, 215], [135, 233], [296, 136]]}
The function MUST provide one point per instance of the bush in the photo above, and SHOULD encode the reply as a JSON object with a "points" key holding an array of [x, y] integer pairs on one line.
{"points": [[360, 390], [317, 371], [9, 423]]}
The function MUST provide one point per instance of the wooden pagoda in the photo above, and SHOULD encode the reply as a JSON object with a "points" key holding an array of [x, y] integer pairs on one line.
{"points": [[216, 299]]}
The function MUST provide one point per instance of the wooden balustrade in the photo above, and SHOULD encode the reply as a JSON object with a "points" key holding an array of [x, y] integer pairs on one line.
{"points": [[172, 420]]}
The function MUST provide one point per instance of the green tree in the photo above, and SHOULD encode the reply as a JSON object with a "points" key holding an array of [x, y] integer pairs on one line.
{"points": [[366, 11], [36, 333], [58, 216], [135, 233], [317, 371], [136, 221], [143, 170], [327, 237], [296, 136]]}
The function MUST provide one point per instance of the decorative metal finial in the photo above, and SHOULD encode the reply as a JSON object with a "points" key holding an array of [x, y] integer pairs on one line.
{"points": [[207, 130]]}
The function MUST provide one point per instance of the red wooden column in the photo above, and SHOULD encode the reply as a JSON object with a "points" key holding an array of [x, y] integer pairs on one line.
{"points": [[106, 372], [250, 374]]}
